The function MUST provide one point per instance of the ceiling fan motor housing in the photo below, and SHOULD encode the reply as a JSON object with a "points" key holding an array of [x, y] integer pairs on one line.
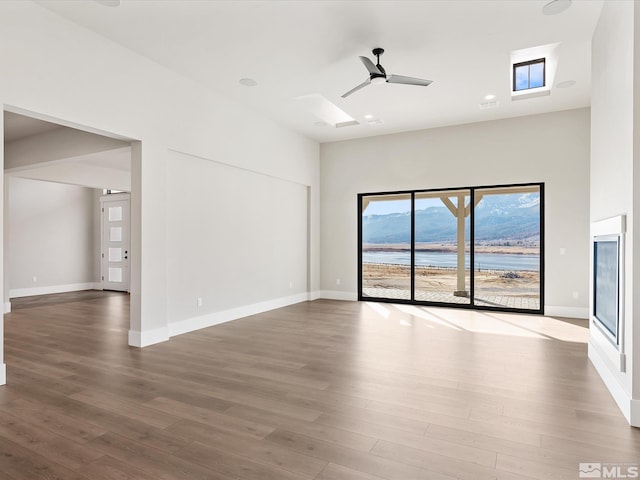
{"points": [[377, 52]]}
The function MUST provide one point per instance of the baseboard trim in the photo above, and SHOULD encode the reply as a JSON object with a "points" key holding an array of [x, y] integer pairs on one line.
{"points": [[630, 408], [568, 312], [7, 307], [149, 337], [72, 287], [216, 318], [337, 295], [315, 295], [3, 374], [635, 413]]}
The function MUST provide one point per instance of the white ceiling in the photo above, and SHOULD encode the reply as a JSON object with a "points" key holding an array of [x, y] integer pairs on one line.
{"points": [[109, 169], [17, 127], [295, 48], [105, 169]]}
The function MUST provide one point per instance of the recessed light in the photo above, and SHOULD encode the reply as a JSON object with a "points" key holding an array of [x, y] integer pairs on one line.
{"points": [[491, 96], [248, 82], [556, 6], [368, 116], [321, 124], [375, 121], [566, 84]]}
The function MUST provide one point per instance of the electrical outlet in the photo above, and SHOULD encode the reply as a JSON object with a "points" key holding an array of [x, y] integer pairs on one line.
{"points": [[337, 281], [576, 295], [35, 279], [290, 284], [199, 302]]}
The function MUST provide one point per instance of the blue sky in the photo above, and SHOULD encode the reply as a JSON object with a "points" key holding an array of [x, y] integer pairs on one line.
{"points": [[529, 76], [401, 206]]}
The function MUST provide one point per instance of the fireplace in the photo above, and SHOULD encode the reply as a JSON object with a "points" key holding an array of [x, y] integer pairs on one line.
{"points": [[608, 307], [606, 284], [607, 288]]}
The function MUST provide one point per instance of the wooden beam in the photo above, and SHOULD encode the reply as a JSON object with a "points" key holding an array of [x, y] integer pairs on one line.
{"points": [[449, 204]]}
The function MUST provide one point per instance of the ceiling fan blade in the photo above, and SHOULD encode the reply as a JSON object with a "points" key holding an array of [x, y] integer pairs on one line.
{"points": [[408, 80], [355, 89], [369, 65]]}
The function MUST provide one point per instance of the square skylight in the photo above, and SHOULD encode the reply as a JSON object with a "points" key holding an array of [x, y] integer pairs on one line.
{"points": [[323, 109], [532, 71], [528, 75]]}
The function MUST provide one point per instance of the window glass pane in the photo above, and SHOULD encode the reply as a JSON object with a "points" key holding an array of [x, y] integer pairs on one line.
{"points": [[386, 246], [115, 234], [522, 77], [115, 254], [507, 248], [536, 75], [442, 271], [115, 274], [115, 214]]}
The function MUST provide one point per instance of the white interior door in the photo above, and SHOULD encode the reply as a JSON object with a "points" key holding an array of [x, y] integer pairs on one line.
{"points": [[115, 242]]}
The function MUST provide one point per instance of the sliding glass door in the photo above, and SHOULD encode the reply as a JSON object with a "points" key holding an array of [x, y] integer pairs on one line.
{"points": [[441, 246], [386, 246], [507, 234], [419, 246]]}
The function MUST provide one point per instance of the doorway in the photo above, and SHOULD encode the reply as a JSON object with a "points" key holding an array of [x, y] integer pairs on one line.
{"points": [[115, 235], [93, 159]]}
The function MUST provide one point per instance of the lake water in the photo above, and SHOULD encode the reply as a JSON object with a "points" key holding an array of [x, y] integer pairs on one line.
{"points": [[484, 261]]}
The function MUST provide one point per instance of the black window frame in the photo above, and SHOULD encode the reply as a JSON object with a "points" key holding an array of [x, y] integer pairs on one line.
{"points": [[529, 63], [471, 305]]}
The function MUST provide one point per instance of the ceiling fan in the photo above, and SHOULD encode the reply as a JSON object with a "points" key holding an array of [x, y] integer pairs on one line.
{"points": [[377, 74]]}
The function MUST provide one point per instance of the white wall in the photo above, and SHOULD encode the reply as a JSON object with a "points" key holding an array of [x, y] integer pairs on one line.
{"points": [[615, 182], [52, 236], [241, 238], [551, 148], [62, 71]]}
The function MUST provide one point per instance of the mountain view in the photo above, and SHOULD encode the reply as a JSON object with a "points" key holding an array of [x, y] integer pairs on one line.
{"points": [[498, 219]]}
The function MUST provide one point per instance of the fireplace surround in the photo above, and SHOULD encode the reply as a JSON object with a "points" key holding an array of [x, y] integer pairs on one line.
{"points": [[607, 287]]}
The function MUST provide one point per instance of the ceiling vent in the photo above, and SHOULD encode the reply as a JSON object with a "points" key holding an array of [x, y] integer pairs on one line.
{"points": [[486, 105]]}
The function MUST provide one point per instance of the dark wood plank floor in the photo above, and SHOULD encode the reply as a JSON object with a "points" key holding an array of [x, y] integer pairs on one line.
{"points": [[320, 390]]}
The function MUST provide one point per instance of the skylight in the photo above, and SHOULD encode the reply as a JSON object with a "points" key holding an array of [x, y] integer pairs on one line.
{"points": [[533, 70], [326, 111], [528, 75]]}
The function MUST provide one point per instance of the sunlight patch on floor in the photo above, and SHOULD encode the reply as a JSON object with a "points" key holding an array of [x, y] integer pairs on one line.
{"points": [[495, 323], [477, 322], [379, 309], [417, 312], [480, 321]]}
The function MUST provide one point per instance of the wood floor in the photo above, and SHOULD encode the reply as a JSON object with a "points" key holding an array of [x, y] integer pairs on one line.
{"points": [[321, 390]]}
